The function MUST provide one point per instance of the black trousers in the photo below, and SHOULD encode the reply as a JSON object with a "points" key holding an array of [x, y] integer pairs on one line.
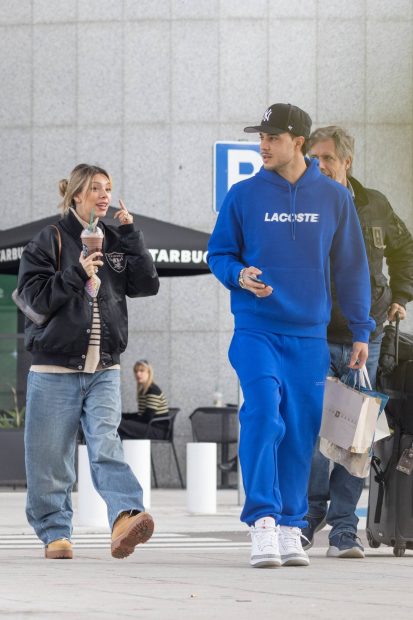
{"points": [[133, 428]]}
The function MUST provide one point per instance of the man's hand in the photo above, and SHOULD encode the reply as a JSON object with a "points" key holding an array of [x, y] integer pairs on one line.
{"points": [[392, 311], [258, 288], [359, 355]]}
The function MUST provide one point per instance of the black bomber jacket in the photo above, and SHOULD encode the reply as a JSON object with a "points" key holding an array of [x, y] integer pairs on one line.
{"points": [[386, 237], [128, 270]]}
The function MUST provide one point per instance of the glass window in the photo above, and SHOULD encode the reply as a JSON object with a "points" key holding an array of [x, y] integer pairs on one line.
{"points": [[8, 342]]}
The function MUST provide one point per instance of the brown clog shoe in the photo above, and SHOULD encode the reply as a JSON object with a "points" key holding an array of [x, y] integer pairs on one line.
{"points": [[129, 531], [60, 549]]}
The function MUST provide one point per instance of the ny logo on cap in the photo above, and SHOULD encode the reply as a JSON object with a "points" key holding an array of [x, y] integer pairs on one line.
{"points": [[267, 115]]}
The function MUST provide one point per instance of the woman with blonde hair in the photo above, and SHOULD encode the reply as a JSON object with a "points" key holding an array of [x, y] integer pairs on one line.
{"points": [[151, 403], [75, 372]]}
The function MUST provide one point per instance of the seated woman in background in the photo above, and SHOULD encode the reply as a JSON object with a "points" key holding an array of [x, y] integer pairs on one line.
{"points": [[151, 402]]}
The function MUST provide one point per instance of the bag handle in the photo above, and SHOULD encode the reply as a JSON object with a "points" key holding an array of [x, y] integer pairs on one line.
{"points": [[360, 378], [59, 245], [364, 378]]}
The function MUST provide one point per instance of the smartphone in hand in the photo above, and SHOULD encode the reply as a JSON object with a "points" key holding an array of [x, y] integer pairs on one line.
{"points": [[255, 278]]}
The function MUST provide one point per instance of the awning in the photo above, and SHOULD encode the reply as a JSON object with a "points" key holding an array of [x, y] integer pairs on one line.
{"points": [[176, 250]]}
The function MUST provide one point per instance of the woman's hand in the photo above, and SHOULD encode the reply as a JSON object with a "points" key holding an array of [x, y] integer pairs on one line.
{"points": [[91, 263], [123, 214]]}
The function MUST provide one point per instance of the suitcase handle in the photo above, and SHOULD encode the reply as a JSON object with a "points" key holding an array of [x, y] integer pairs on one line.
{"points": [[397, 338]]}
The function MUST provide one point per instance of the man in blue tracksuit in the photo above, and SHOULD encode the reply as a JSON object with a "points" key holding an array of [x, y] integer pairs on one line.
{"points": [[271, 248]]}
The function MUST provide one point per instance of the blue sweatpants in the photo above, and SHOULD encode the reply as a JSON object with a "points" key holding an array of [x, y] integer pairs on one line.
{"points": [[282, 379]]}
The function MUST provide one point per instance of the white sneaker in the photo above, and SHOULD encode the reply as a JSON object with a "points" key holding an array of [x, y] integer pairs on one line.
{"points": [[291, 549], [264, 538]]}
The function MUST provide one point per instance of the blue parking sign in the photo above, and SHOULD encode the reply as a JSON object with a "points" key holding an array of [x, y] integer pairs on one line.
{"points": [[233, 162]]}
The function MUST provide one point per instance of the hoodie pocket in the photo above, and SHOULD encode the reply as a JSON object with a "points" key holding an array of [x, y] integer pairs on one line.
{"points": [[299, 296]]}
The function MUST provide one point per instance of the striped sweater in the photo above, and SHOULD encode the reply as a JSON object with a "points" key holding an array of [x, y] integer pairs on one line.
{"points": [[152, 403]]}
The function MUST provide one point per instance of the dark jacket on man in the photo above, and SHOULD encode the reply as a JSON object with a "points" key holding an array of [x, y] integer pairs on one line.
{"points": [[385, 236], [127, 269]]}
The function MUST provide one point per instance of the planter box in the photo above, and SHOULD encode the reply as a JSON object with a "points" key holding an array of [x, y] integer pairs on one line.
{"points": [[12, 469]]}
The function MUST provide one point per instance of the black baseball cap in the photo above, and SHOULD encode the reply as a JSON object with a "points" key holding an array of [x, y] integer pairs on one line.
{"points": [[282, 117]]}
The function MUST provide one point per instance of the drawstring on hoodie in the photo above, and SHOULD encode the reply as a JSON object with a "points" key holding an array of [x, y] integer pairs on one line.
{"points": [[293, 195]]}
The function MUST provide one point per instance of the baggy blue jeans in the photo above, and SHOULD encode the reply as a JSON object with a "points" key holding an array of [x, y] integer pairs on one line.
{"points": [[282, 379], [340, 487], [56, 403]]}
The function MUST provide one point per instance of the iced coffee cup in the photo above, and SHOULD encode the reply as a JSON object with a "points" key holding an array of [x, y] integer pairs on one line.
{"points": [[92, 240]]}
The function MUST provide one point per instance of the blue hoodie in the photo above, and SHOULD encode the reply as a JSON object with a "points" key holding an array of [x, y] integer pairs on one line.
{"points": [[290, 232]]}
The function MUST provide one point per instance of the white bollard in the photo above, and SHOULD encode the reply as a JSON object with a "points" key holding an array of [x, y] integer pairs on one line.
{"points": [[201, 478], [92, 511], [137, 453]]}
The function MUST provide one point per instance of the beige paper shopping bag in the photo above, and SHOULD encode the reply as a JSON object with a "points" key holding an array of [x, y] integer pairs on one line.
{"points": [[349, 416]]}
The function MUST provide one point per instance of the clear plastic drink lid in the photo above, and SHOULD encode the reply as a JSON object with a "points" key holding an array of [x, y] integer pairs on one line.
{"points": [[97, 232]]}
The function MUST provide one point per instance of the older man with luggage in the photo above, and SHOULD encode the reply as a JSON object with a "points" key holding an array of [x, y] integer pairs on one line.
{"points": [[385, 236]]}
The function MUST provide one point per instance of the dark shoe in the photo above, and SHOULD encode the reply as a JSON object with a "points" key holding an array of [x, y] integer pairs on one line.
{"points": [[315, 524], [345, 545], [129, 531], [232, 465]]}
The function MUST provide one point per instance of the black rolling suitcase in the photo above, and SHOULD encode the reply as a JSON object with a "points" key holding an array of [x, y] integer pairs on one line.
{"points": [[390, 505], [395, 377]]}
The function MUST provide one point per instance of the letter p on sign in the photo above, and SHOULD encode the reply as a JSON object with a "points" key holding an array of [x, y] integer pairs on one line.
{"points": [[233, 162]]}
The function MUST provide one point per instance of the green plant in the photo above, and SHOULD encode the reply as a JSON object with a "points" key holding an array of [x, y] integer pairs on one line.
{"points": [[13, 418]]}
